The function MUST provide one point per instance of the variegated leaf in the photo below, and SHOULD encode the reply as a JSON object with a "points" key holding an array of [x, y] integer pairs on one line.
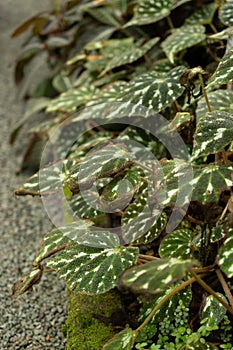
{"points": [[220, 100], [148, 11], [154, 89], [224, 71], [214, 131], [70, 100], [181, 118], [154, 276], [82, 209], [129, 56], [47, 180], [213, 312], [176, 244], [121, 341], [202, 16], [225, 13], [89, 260], [225, 255], [26, 282], [209, 181], [183, 38]]}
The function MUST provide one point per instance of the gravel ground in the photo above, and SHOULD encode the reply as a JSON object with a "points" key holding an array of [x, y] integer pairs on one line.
{"points": [[34, 320]]}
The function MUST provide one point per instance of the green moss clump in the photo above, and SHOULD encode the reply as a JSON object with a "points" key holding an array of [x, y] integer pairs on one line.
{"points": [[83, 331]]}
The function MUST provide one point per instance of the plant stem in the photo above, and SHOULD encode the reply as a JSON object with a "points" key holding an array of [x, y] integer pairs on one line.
{"points": [[164, 299], [204, 92], [211, 291], [169, 21], [225, 286]]}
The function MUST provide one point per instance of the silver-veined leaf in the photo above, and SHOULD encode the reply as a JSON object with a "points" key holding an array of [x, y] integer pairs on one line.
{"points": [[121, 341], [89, 260], [132, 54], [203, 16], [154, 276], [82, 209], [47, 180], [70, 100], [209, 181], [220, 100], [225, 13], [224, 71], [181, 118], [214, 131], [225, 255], [213, 312], [148, 11], [183, 38], [154, 89], [176, 244], [26, 282]]}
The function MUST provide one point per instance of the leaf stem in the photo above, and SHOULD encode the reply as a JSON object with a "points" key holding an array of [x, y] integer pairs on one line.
{"points": [[204, 91], [211, 291], [225, 286], [163, 300]]}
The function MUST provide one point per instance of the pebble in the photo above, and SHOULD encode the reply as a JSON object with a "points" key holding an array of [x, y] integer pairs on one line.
{"points": [[34, 320]]}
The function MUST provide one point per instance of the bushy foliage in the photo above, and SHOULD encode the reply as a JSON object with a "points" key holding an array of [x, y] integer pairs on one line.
{"points": [[138, 119]]}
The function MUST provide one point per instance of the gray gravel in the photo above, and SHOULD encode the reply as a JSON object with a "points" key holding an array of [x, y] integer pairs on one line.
{"points": [[34, 320]]}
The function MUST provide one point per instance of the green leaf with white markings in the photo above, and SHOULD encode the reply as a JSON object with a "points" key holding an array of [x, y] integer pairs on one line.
{"points": [[148, 11], [82, 208], [225, 256], [213, 312], [155, 89], [214, 131], [89, 260], [224, 71], [47, 180], [154, 276], [176, 244], [70, 100], [219, 100], [129, 56], [209, 181], [225, 13], [26, 282], [202, 16], [183, 38], [121, 341]]}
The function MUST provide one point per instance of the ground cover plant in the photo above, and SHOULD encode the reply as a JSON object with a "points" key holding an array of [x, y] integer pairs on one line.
{"points": [[136, 173]]}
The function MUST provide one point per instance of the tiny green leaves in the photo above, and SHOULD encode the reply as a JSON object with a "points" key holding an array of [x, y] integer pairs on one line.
{"points": [[182, 38], [224, 71], [154, 276], [89, 260], [122, 341], [225, 256], [214, 131]]}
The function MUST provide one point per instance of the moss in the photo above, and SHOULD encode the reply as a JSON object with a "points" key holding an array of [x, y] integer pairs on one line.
{"points": [[83, 331]]}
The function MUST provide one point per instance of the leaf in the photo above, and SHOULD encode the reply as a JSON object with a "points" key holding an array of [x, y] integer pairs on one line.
{"points": [[89, 261], [148, 11], [176, 244], [182, 38], [213, 311], [225, 256], [121, 341], [104, 15], [154, 89], [47, 180], [214, 131], [202, 16], [129, 56], [225, 13], [180, 119], [36, 20], [224, 71], [209, 181], [26, 282], [61, 82], [72, 99], [82, 209], [220, 100], [154, 276]]}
